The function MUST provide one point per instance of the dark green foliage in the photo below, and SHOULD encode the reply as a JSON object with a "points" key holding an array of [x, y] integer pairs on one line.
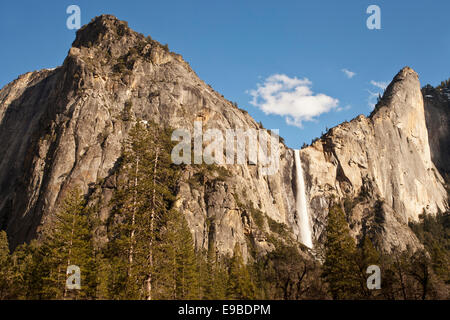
{"points": [[444, 84], [40, 267], [125, 63], [420, 270], [208, 173], [68, 241], [278, 228], [434, 232], [176, 265], [29, 270], [215, 285], [349, 204], [142, 204], [121, 66], [122, 29], [258, 217], [6, 270], [339, 269], [240, 285], [366, 256]]}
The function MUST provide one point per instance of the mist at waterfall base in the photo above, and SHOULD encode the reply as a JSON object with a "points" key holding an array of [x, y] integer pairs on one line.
{"points": [[301, 205]]}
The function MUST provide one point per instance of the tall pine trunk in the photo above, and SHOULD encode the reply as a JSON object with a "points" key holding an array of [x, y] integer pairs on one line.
{"points": [[69, 253], [148, 281], [133, 220]]}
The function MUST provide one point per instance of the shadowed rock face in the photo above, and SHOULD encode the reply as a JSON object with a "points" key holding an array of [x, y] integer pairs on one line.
{"points": [[437, 115], [63, 128]]}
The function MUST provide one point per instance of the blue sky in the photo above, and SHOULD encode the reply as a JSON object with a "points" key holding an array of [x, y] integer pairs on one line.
{"points": [[236, 45]]}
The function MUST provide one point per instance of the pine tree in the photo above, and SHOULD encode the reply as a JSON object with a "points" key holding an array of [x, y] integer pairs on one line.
{"points": [[440, 262], [68, 241], [176, 266], [144, 197], [186, 262], [215, 285], [201, 269], [6, 268], [366, 255], [240, 284], [339, 269], [29, 270], [220, 280]]}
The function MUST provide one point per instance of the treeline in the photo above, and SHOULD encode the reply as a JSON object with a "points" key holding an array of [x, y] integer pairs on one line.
{"points": [[444, 84], [38, 271], [405, 274], [149, 252], [339, 270]]}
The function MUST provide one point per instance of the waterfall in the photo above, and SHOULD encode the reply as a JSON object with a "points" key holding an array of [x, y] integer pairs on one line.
{"points": [[301, 206]]}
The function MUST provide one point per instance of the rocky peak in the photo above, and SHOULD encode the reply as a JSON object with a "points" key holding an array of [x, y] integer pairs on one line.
{"points": [[101, 28], [405, 73], [384, 157], [402, 105], [110, 42], [403, 89]]}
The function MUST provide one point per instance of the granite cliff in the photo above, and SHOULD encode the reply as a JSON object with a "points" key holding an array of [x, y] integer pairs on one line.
{"points": [[64, 127], [380, 166], [437, 115]]}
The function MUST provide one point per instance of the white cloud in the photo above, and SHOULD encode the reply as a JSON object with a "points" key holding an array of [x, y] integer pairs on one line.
{"points": [[292, 98], [380, 84], [347, 107], [348, 73], [373, 96], [372, 100]]}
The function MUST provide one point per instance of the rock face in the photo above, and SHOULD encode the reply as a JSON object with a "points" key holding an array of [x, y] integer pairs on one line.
{"points": [[384, 157], [63, 128], [437, 115]]}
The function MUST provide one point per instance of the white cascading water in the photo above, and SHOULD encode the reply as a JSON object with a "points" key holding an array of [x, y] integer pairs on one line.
{"points": [[302, 207]]}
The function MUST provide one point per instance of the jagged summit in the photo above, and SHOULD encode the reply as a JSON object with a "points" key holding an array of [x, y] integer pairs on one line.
{"points": [[108, 45], [110, 37], [101, 27]]}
